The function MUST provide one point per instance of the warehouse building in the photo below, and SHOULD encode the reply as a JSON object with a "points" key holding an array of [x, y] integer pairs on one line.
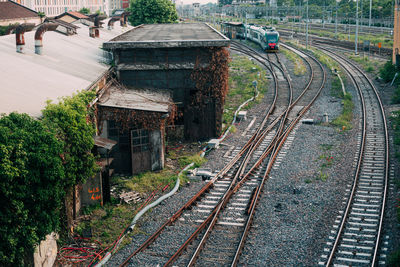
{"points": [[187, 61]]}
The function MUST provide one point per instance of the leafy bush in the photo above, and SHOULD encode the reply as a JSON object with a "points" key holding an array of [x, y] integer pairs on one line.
{"points": [[84, 10], [152, 11], [388, 71], [39, 161], [32, 186], [71, 120]]}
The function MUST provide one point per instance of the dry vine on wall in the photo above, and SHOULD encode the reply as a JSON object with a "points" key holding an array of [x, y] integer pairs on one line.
{"points": [[129, 118], [212, 81]]}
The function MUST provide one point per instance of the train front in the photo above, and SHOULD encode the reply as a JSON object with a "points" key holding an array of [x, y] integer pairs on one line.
{"points": [[272, 40]]}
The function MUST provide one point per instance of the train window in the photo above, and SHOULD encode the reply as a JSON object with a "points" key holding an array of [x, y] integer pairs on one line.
{"points": [[272, 38]]}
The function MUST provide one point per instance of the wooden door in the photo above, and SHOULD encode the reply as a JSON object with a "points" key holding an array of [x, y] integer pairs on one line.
{"points": [[140, 147]]}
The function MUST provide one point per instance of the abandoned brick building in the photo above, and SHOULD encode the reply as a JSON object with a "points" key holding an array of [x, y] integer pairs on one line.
{"points": [[181, 70]]}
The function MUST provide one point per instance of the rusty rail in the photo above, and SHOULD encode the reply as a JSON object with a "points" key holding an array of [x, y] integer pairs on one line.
{"points": [[231, 190], [359, 161], [252, 143]]}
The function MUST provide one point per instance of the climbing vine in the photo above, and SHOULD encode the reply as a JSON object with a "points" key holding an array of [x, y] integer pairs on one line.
{"points": [[128, 118], [72, 120], [211, 81]]}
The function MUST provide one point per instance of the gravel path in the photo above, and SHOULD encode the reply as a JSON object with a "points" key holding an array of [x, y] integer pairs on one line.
{"points": [[297, 208]]}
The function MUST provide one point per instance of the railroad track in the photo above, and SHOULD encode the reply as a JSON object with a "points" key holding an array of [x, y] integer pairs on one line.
{"points": [[214, 224], [382, 52], [356, 235]]}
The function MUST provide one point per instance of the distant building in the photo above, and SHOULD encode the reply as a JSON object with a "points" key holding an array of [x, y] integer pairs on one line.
{"points": [[12, 13], [116, 5], [196, 9], [53, 8], [73, 17], [239, 2]]}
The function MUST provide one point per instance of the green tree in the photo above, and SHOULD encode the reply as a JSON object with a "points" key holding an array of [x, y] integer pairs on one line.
{"points": [[71, 120], [152, 11], [31, 188], [84, 10]]}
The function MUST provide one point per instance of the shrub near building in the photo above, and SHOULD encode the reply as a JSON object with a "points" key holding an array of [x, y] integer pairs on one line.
{"points": [[72, 120], [40, 160], [31, 188]]}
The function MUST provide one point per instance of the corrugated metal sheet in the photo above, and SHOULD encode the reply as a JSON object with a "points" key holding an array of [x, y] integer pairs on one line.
{"points": [[104, 142]]}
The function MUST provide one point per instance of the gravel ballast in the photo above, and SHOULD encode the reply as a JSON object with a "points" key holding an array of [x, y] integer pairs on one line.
{"points": [[301, 199]]}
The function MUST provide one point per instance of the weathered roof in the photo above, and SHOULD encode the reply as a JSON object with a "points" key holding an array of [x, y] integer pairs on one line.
{"points": [[137, 99], [233, 23], [12, 10], [118, 12], [104, 142], [169, 35], [68, 64], [64, 23], [76, 15]]}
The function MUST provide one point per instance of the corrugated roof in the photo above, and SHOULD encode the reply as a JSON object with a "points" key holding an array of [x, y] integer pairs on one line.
{"points": [[12, 10], [68, 64], [131, 98], [104, 142]]}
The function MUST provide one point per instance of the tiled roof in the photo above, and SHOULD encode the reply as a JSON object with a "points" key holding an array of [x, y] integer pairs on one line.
{"points": [[77, 15], [12, 10]]}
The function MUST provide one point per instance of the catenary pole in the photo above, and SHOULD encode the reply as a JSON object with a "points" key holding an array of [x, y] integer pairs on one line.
{"points": [[356, 38], [370, 12], [307, 25]]}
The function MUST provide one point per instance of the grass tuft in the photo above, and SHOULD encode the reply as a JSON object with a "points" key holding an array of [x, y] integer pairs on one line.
{"points": [[345, 119], [150, 181], [186, 160], [299, 67], [242, 73]]}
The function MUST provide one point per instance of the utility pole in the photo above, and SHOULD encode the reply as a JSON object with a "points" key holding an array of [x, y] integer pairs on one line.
{"points": [[356, 38], [307, 26], [245, 29], [336, 20], [370, 9]]}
